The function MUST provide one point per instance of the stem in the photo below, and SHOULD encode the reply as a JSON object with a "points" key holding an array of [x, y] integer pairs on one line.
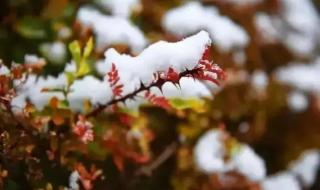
{"points": [[158, 83]]}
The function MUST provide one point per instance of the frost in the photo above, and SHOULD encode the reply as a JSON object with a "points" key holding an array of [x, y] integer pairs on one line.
{"points": [[192, 17]]}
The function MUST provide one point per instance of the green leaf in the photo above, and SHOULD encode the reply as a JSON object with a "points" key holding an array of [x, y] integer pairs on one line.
{"points": [[63, 104], [180, 104], [83, 69], [88, 49], [75, 50], [32, 28], [70, 77]]}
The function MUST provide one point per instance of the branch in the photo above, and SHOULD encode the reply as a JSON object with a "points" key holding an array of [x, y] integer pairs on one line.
{"points": [[164, 156], [157, 83]]}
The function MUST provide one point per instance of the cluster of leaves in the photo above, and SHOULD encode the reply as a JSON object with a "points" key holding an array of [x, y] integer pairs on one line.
{"points": [[66, 140]]}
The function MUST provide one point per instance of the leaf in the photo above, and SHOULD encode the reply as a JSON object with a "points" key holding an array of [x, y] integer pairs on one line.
{"points": [[82, 65], [58, 119], [70, 77], [181, 104], [54, 102], [84, 68], [160, 101], [88, 49], [119, 162], [75, 50], [52, 90], [32, 28]]}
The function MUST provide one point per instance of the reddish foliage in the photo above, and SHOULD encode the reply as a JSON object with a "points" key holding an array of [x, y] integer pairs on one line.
{"points": [[83, 129], [121, 151], [157, 100], [208, 71], [172, 76], [113, 80], [87, 177]]}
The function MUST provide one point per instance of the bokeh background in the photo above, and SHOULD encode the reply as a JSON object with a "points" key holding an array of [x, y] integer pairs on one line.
{"points": [[270, 99]]}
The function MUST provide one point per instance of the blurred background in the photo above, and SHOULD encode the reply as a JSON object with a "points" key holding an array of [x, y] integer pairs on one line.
{"points": [[270, 50]]}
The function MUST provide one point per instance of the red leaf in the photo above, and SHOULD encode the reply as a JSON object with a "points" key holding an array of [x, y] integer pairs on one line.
{"points": [[157, 100], [113, 79], [172, 76]]}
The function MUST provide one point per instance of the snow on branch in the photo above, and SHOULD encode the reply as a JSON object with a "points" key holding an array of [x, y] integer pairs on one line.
{"points": [[156, 74], [160, 63]]}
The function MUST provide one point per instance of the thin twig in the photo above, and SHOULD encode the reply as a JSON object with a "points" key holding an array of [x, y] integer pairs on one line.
{"points": [[164, 156]]}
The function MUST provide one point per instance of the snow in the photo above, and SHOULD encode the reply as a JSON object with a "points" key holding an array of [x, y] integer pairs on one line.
{"points": [[64, 32], [55, 52], [121, 8], [297, 101], [304, 77], [210, 152], [189, 88], [74, 180], [158, 57], [303, 170], [282, 180], [267, 27], [4, 69], [306, 167], [248, 163], [32, 90], [192, 17], [110, 30], [32, 59], [259, 80], [303, 21], [133, 71], [297, 27], [88, 89]]}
